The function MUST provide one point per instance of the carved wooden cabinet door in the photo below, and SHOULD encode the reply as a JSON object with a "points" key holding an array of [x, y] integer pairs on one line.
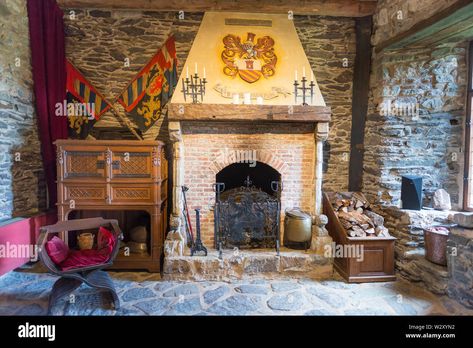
{"points": [[135, 165], [89, 163]]}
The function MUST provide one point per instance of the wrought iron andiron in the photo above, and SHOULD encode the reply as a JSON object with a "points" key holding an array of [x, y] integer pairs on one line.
{"points": [[198, 247]]}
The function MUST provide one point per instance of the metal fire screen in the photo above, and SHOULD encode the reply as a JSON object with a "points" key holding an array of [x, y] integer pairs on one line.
{"points": [[247, 217]]}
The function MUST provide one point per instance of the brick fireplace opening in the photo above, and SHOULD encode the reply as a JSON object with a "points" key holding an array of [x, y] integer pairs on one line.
{"points": [[206, 152]]}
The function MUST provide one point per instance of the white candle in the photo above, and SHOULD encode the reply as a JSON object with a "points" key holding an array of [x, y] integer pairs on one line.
{"points": [[187, 72], [196, 68], [295, 75], [311, 76], [204, 73], [303, 71], [247, 98], [236, 98], [259, 100]]}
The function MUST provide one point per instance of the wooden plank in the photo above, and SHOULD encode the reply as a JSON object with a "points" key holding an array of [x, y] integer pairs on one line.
{"points": [[467, 175], [359, 102], [455, 32], [460, 11], [248, 113], [342, 8]]}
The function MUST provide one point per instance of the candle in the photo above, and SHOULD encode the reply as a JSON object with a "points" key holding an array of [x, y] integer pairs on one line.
{"points": [[204, 73], [311, 76], [247, 98], [295, 75], [303, 71], [259, 100], [196, 68], [236, 98], [187, 72]]}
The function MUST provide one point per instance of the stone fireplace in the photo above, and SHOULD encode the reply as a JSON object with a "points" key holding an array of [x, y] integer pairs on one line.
{"points": [[268, 148]]}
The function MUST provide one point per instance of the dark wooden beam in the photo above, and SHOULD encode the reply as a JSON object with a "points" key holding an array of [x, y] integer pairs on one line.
{"points": [[458, 15], [467, 174], [248, 113], [361, 78], [342, 8]]}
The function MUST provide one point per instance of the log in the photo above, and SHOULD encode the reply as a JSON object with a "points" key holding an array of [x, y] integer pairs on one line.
{"points": [[377, 219], [382, 231]]}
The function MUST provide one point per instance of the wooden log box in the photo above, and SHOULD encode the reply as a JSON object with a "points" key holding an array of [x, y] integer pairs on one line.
{"points": [[377, 263]]}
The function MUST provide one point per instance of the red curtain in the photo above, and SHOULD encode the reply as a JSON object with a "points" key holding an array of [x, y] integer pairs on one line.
{"points": [[48, 62]]}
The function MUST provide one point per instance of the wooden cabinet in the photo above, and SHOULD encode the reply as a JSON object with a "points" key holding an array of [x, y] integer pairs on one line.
{"points": [[107, 176]]}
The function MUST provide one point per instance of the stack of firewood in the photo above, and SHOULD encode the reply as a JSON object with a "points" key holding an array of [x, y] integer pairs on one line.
{"points": [[353, 211]]}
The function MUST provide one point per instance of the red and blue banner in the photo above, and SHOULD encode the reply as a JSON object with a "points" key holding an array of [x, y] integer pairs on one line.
{"points": [[144, 98]]}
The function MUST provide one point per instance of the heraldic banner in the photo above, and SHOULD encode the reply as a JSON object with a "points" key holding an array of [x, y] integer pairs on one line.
{"points": [[84, 104], [146, 95]]}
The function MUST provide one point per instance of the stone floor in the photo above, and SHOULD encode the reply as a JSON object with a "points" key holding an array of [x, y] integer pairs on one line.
{"points": [[25, 292]]}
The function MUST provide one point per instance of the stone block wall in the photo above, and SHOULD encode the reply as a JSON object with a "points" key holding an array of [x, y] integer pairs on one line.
{"points": [[460, 265], [396, 16], [111, 46], [428, 144], [434, 80], [406, 226], [22, 185], [99, 41], [330, 46]]}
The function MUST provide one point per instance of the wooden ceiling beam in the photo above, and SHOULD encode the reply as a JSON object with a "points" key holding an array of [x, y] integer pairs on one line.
{"points": [[340, 8]]}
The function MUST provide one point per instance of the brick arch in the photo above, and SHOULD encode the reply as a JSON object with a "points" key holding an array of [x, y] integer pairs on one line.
{"points": [[262, 156]]}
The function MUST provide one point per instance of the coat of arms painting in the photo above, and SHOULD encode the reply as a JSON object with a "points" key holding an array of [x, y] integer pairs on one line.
{"points": [[250, 58]]}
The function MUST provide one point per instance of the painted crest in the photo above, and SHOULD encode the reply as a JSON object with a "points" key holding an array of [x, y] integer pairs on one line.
{"points": [[250, 59]]}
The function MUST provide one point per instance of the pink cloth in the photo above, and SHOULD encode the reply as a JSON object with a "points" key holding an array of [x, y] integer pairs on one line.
{"points": [[84, 258], [57, 250]]}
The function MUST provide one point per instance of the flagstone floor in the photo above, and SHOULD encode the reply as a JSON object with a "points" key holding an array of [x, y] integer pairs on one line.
{"points": [[25, 292]]}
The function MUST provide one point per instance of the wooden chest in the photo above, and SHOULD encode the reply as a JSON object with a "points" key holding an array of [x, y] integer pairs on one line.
{"points": [[377, 263], [110, 178]]}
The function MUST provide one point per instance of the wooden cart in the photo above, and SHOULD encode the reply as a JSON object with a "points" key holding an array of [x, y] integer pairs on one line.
{"points": [[377, 263]]}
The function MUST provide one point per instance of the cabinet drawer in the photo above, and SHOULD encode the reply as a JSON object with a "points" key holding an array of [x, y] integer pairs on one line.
{"points": [[85, 193], [124, 194]]}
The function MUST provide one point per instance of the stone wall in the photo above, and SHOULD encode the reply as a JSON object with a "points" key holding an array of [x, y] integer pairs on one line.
{"points": [[22, 185], [406, 226], [111, 46], [396, 16], [330, 46], [426, 140], [429, 143], [99, 41], [460, 265]]}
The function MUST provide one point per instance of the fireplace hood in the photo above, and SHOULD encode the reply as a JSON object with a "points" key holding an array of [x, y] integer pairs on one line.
{"points": [[248, 58]]}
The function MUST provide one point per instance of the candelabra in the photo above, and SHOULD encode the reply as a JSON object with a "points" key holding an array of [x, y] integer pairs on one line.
{"points": [[304, 90], [194, 87]]}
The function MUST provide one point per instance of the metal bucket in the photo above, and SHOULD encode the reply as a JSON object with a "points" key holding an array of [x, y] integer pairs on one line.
{"points": [[297, 229], [435, 246]]}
